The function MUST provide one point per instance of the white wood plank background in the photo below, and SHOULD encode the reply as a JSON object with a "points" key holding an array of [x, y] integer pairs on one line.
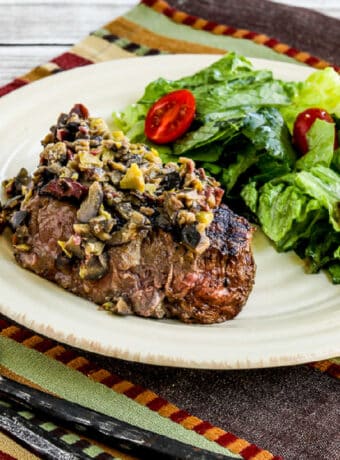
{"points": [[34, 31]]}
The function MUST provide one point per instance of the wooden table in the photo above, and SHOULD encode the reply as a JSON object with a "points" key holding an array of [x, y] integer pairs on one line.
{"points": [[34, 31]]}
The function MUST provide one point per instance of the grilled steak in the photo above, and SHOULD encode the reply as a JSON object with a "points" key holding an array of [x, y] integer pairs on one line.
{"points": [[107, 221]]}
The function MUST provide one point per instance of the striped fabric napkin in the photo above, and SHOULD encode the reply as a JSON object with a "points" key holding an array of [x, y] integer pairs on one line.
{"points": [[156, 27]]}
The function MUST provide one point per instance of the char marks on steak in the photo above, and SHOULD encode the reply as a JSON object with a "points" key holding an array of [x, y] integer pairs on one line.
{"points": [[162, 247]]}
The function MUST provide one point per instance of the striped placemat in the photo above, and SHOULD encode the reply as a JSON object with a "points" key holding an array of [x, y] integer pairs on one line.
{"points": [[152, 27]]}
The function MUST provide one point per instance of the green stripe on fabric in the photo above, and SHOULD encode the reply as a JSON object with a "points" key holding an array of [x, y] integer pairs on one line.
{"points": [[48, 426], [93, 451], [27, 415], [4, 403], [71, 438], [74, 386], [100, 33], [122, 42], [160, 24]]}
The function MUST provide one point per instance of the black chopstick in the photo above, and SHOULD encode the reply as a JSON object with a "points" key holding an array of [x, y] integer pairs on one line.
{"points": [[37, 440], [116, 433]]}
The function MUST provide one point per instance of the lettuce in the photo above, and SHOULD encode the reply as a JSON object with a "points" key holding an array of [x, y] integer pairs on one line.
{"points": [[300, 211], [321, 89], [320, 139], [225, 92]]}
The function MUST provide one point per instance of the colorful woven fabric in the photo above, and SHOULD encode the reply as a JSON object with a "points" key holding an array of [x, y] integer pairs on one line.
{"points": [[153, 27]]}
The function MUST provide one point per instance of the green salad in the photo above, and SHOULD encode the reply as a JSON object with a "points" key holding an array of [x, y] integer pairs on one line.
{"points": [[242, 134]]}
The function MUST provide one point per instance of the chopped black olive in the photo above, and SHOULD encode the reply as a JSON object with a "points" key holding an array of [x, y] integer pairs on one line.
{"points": [[171, 180], [18, 218], [191, 236]]}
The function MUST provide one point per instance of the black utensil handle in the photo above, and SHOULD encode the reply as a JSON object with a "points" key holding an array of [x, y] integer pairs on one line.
{"points": [[119, 434], [35, 438]]}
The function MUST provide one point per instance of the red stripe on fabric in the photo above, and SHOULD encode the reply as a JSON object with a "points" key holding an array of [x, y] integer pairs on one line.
{"points": [[88, 368], [168, 11], [69, 61], [179, 416], [312, 60], [149, 2], [133, 392], [250, 35], [45, 345], [4, 456], [292, 52], [20, 335], [3, 324], [334, 370], [189, 20], [66, 356], [250, 451], [157, 403], [226, 439], [277, 457], [15, 84], [203, 427], [229, 31], [271, 42], [111, 380], [209, 26]]}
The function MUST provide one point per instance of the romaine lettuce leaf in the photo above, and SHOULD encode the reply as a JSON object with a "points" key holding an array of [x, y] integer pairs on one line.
{"points": [[321, 89], [222, 70], [320, 138], [300, 211], [222, 131], [268, 132], [218, 98]]}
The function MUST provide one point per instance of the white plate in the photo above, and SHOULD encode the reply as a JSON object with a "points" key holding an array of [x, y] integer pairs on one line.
{"points": [[290, 317]]}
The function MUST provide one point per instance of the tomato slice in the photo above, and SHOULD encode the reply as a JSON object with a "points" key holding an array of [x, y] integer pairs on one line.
{"points": [[303, 124], [170, 117]]}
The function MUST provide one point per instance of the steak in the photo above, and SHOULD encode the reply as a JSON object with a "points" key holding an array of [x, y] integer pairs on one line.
{"points": [[132, 235]]}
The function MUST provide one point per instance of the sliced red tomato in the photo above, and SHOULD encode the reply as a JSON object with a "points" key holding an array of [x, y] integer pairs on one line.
{"points": [[302, 125], [170, 117]]}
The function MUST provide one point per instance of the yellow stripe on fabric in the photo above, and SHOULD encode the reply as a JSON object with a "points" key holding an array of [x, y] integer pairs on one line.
{"points": [[77, 363], [33, 341], [238, 445], [100, 375], [220, 29], [40, 72], [10, 447], [145, 397], [190, 422], [322, 365], [321, 64], [122, 27], [240, 33], [97, 49], [160, 6], [123, 386], [168, 410], [179, 16], [260, 38], [264, 455], [214, 433], [9, 331], [200, 23], [281, 48], [302, 56]]}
